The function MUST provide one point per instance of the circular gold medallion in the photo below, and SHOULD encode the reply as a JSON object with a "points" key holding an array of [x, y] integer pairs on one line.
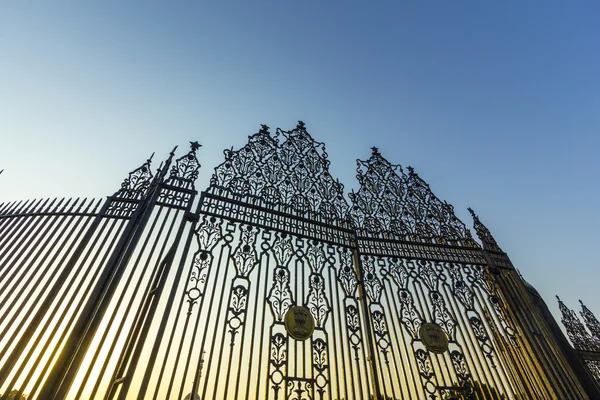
{"points": [[434, 338], [299, 323]]}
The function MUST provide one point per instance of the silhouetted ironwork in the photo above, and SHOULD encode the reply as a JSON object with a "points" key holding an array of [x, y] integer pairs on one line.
{"points": [[142, 296]]}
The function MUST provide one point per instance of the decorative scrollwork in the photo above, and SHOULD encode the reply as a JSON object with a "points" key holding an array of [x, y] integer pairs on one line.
{"points": [[372, 285], [291, 177], [317, 302], [208, 233], [353, 326], [237, 307], [280, 297], [460, 289], [398, 272], [137, 183], [381, 331], [460, 366], [426, 371], [282, 249], [346, 274], [390, 202], [316, 257], [409, 315], [488, 241], [319, 348], [299, 389], [590, 321], [576, 331], [441, 314], [244, 257], [185, 170], [198, 276], [278, 360]]}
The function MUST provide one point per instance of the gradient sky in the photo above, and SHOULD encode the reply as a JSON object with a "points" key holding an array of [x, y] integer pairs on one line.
{"points": [[495, 103]]}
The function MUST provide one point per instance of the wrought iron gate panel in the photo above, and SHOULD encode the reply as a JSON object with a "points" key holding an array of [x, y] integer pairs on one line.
{"points": [[141, 297]]}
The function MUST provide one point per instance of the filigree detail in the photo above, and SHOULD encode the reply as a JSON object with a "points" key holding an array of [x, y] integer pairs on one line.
{"points": [[319, 348], [317, 302], [353, 326], [463, 293], [488, 241], [316, 257], [208, 233], [299, 389], [237, 308], [590, 320], [380, 329], [398, 273], [579, 336], [424, 364], [460, 366], [278, 360], [409, 315], [346, 274], [185, 170], [137, 183], [372, 285], [428, 275], [390, 202], [594, 367], [244, 257], [280, 297], [198, 276], [441, 314], [282, 249], [291, 177]]}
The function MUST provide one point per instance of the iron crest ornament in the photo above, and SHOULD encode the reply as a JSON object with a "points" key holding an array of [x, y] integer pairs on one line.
{"points": [[434, 338], [299, 323]]}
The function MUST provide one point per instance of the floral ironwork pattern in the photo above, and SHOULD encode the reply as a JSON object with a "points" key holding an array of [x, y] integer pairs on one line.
{"points": [[138, 182], [185, 170], [426, 372], [353, 325], [317, 302], [278, 360], [346, 274], [282, 249], [280, 297], [488, 241], [244, 257], [319, 347], [391, 202], [591, 321], [381, 332], [299, 389], [237, 310], [291, 177], [373, 286], [576, 331]]}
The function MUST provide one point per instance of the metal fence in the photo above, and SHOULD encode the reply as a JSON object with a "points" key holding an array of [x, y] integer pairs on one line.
{"points": [[142, 296]]}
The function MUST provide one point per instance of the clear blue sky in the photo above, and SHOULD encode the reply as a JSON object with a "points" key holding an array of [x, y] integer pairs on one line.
{"points": [[495, 103]]}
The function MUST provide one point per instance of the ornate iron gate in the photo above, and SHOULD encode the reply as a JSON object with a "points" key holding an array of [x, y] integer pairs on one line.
{"points": [[143, 298]]}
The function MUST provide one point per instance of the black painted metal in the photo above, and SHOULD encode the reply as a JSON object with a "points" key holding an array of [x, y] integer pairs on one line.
{"points": [[143, 298]]}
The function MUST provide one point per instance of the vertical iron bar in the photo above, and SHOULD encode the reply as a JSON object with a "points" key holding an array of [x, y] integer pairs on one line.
{"points": [[363, 301]]}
